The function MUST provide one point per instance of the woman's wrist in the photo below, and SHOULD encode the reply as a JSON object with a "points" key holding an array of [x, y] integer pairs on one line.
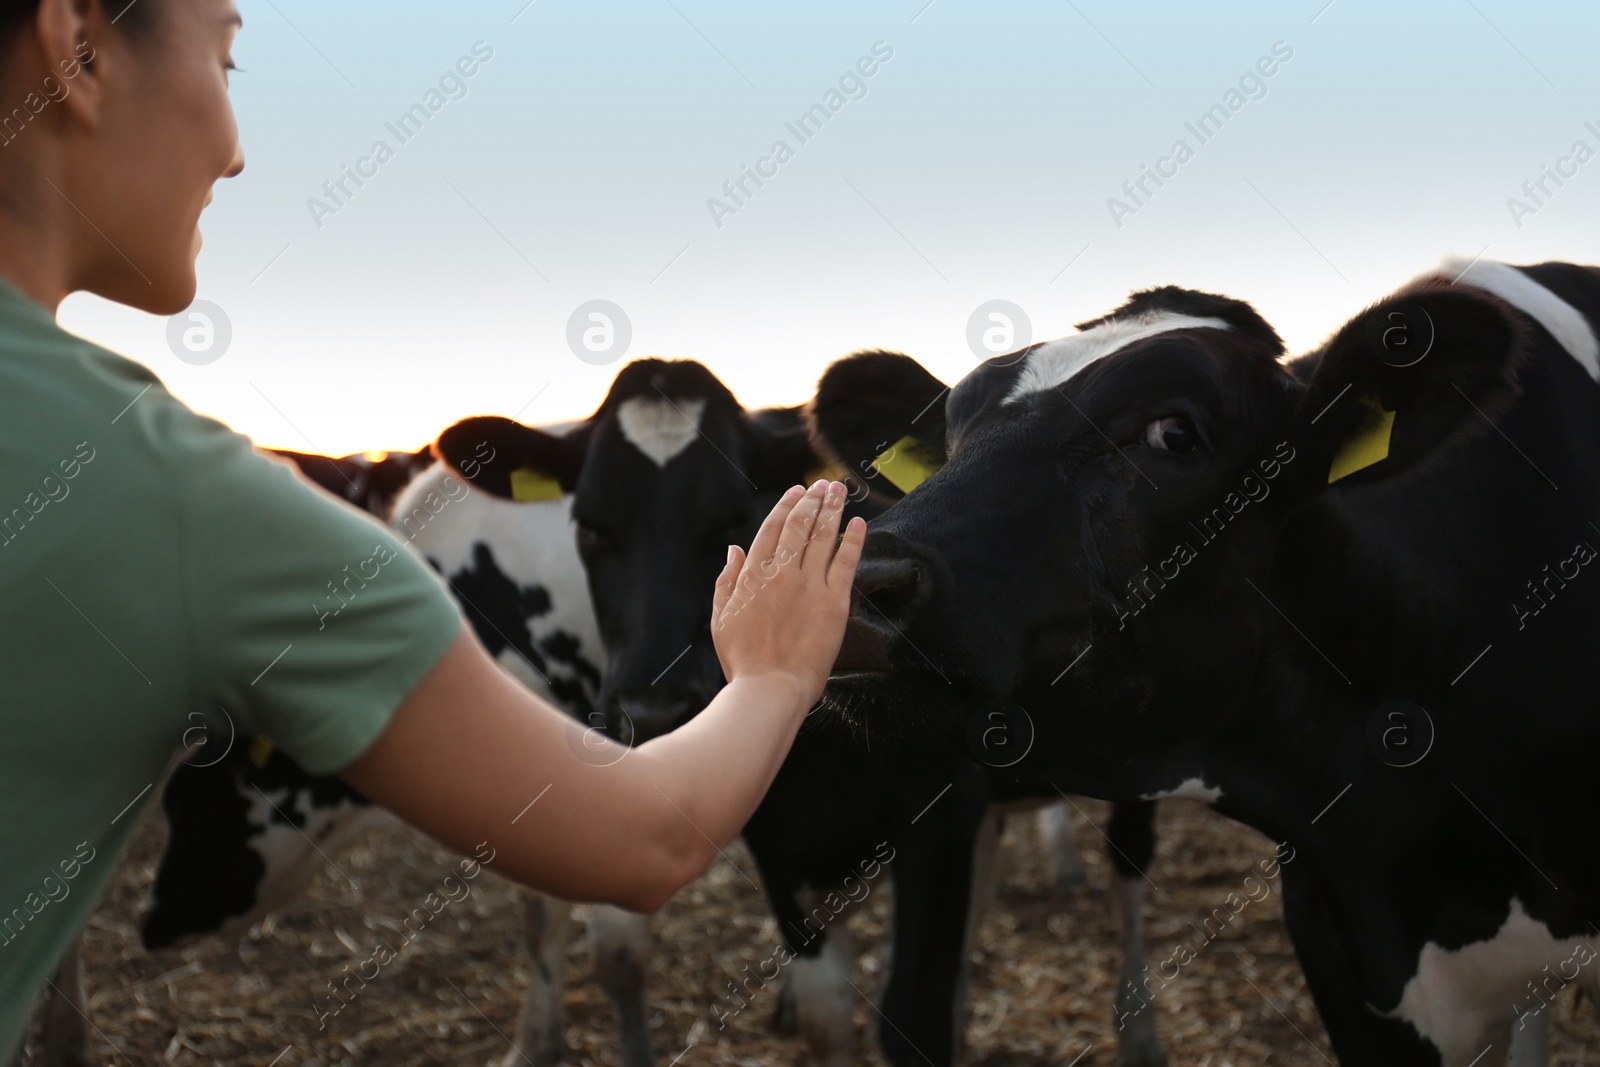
{"points": [[781, 690]]}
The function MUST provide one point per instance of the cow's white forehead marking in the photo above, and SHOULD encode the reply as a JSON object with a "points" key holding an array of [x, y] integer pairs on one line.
{"points": [[1188, 789], [1565, 323], [663, 428], [1055, 362]]}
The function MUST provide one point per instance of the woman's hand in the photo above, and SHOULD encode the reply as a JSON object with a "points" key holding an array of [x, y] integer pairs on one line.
{"points": [[471, 747], [781, 611]]}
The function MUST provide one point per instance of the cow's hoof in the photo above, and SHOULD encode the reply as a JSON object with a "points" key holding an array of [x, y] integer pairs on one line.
{"points": [[539, 1054], [1069, 881], [636, 1050], [784, 1018], [68, 1056], [1141, 1052], [633, 1056]]}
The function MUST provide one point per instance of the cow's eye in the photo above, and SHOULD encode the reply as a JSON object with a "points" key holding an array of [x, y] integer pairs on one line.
{"points": [[1173, 434], [590, 539]]}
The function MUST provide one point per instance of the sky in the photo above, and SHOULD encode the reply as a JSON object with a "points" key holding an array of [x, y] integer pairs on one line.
{"points": [[983, 159]]}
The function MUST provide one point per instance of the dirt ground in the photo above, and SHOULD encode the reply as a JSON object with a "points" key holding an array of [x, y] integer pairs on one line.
{"points": [[1044, 968]]}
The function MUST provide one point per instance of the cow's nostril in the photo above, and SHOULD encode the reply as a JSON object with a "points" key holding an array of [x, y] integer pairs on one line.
{"points": [[893, 588], [621, 728]]}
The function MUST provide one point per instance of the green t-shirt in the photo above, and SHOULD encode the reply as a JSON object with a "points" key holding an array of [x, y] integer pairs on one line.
{"points": [[154, 565]]}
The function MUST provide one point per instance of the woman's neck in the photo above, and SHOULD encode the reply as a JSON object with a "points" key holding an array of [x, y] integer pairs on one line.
{"points": [[29, 280], [41, 230]]}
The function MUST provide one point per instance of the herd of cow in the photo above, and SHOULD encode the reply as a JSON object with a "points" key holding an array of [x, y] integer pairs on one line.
{"points": [[1151, 559]]}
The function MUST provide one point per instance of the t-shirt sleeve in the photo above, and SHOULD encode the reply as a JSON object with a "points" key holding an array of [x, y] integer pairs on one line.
{"points": [[310, 621]]}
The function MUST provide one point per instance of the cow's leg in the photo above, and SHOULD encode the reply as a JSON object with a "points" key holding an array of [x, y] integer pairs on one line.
{"points": [[1132, 842], [813, 995], [786, 908], [1358, 1035], [1530, 1042], [824, 1002], [937, 881], [783, 1019], [541, 1031], [620, 945], [1494, 1048], [64, 1028], [985, 881], [1059, 840]]}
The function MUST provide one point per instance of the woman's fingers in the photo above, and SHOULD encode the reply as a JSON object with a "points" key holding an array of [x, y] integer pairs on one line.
{"points": [[842, 572], [766, 539], [786, 613], [819, 550], [727, 581], [799, 534], [796, 531]]}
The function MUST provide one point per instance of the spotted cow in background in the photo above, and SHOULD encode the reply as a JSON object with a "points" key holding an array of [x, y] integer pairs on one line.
{"points": [[674, 458], [369, 480]]}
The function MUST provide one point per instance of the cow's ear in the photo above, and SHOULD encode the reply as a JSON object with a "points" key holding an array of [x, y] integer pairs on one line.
{"points": [[1403, 380], [880, 416], [779, 453], [514, 461]]}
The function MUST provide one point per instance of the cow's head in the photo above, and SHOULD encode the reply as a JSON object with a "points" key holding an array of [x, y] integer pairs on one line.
{"points": [[369, 480], [1097, 546], [666, 474]]}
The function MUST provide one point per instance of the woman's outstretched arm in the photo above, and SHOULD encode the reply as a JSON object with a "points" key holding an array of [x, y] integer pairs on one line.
{"points": [[472, 757]]}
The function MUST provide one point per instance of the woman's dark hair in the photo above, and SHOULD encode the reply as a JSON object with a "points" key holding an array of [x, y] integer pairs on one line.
{"points": [[131, 14]]}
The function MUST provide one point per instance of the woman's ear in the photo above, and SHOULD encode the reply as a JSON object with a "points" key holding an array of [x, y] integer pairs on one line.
{"points": [[71, 36]]}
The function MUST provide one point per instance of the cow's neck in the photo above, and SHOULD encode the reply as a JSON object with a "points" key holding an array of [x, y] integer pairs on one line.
{"points": [[1298, 767]]}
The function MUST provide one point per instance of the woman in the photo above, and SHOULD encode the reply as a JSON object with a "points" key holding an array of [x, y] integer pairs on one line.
{"points": [[153, 565]]}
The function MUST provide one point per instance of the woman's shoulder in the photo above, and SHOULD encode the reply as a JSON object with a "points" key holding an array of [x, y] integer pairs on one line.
{"points": [[61, 393], [50, 372]]}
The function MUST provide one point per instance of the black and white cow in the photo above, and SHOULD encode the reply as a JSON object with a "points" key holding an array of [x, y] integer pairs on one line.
{"points": [[511, 563], [871, 415], [1346, 600], [668, 472], [369, 480]]}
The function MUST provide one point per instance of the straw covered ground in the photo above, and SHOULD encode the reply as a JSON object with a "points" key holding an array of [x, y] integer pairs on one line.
{"points": [[1044, 968]]}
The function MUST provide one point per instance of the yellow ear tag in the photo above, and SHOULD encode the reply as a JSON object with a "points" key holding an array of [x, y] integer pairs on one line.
{"points": [[261, 751], [903, 465], [529, 486], [1368, 446]]}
